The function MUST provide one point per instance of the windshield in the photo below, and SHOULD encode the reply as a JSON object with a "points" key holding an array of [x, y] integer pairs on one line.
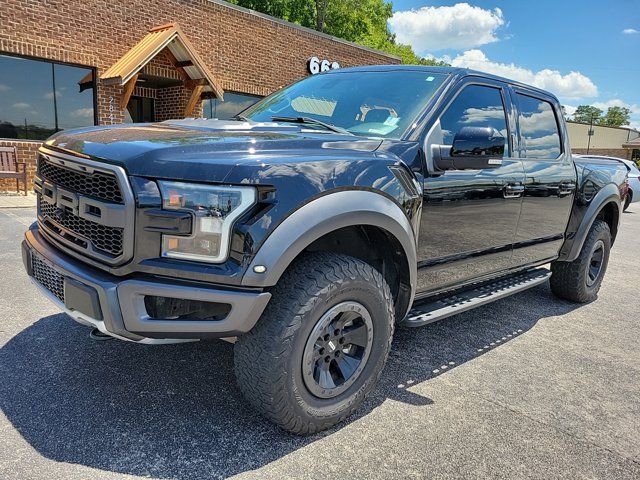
{"points": [[372, 104]]}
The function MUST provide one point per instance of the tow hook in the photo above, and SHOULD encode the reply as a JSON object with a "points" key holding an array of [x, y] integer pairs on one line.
{"points": [[98, 335]]}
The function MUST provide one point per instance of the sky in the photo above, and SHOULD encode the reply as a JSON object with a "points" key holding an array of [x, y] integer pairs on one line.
{"points": [[585, 52]]}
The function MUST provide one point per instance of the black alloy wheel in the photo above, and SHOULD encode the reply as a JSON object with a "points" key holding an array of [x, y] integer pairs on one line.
{"points": [[337, 349], [595, 263]]}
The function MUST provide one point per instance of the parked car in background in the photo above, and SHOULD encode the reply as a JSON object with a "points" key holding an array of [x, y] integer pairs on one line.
{"points": [[633, 178]]}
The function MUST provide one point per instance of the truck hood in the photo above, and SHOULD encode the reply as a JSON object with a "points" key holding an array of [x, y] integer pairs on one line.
{"points": [[209, 150]]}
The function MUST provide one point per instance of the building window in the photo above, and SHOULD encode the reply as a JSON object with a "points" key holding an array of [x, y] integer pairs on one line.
{"points": [[233, 104], [39, 98]]}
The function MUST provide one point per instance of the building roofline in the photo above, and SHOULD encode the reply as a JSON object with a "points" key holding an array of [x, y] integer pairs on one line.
{"points": [[311, 31], [630, 129]]}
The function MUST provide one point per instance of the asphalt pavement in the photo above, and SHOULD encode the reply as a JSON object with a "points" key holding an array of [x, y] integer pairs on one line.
{"points": [[527, 387]]}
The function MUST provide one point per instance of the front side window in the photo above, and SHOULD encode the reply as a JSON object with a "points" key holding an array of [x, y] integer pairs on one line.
{"points": [[475, 106], [373, 104], [39, 98], [538, 127], [233, 104]]}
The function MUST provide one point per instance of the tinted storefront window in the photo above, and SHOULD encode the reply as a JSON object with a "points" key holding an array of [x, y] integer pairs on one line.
{"points": [[233, 104], [38, 98]]}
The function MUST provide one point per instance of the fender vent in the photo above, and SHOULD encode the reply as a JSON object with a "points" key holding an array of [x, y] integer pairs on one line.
{"points": [[410, 185]]}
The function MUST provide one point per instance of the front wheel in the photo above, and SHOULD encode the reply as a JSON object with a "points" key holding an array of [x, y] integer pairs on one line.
{"points": [[320, 345], [580, 280]]}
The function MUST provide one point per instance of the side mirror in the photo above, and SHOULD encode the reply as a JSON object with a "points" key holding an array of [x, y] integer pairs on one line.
{"points": [[478, 142], [474, 148]]}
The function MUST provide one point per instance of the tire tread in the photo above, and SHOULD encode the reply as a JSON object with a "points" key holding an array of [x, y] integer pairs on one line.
{"points": [[261, 355], [567, 279]]}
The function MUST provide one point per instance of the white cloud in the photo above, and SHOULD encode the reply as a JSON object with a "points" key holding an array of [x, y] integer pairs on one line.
{"points": [[4, 88], [83, 112], [21, 105], [49, 96], [630, 31], [616, 102], [481, 115], [437, 28], [572, 85]]}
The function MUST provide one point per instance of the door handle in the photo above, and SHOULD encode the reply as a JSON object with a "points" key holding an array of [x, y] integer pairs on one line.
{"points": [[566, 188], [513, 190]]}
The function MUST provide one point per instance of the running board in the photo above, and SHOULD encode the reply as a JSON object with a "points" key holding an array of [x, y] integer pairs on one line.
{"points": [[425, 313]]}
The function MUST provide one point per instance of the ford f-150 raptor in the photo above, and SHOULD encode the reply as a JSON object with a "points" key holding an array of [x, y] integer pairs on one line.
{"points": [[317, 220]]}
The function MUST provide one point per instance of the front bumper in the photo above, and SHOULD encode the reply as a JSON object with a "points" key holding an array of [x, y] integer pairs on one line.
{"points": [[116, 306]]}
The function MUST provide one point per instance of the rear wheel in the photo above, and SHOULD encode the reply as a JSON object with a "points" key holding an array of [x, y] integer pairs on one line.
{"points": [[321, 344], [627, 201], [580, 280]]}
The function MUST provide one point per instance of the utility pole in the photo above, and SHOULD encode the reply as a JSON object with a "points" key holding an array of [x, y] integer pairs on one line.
{"points": [[590, 134]]}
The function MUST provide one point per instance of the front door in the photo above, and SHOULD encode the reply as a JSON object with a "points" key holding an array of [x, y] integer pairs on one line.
{"points": [[140, 110], [469, 217], [550, 180]]}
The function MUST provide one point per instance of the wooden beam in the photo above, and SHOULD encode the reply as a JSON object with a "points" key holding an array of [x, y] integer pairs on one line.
{"points": [[172, 58], [186, 63], [193, 101], [193, 83], [127, 91], [163, 27]]}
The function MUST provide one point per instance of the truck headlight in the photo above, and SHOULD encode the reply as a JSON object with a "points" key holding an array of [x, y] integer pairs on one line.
{"points": [[214, 209]]}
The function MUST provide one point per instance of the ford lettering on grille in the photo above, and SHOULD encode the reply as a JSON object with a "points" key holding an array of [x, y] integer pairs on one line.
{"points": [[85, 206]]}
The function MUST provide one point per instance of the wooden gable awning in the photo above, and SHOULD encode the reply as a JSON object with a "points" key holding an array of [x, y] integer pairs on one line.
{"points": [[179, 49]]}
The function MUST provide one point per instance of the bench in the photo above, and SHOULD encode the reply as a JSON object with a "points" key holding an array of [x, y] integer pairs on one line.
{"points": [[11, 168]]}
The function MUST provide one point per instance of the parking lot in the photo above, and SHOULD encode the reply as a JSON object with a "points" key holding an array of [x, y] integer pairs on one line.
{"points": [[528, 387]]}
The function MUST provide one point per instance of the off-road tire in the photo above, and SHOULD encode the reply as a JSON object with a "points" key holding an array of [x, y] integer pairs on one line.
{"points": [[268, 359], [569, 279]]}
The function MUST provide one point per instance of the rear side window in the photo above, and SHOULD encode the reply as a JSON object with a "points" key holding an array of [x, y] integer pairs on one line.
{"points": [[475, 106], [538, 127]]}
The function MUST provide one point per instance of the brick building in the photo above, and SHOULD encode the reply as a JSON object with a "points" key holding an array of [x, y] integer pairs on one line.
{"points": [[70, 63]]}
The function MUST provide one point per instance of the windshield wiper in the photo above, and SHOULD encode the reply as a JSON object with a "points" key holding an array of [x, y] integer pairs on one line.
{"points": [[312, 121]]}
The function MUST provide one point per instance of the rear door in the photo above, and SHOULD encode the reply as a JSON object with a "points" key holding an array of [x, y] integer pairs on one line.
{"points": [[469, 217], [550, 178]]}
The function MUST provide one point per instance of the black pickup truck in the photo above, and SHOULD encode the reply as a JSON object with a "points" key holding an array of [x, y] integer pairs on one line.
{"points": [[321, 218]]}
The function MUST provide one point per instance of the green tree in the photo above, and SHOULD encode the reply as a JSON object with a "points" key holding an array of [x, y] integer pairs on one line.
{"points": [[587, 114], [616, 116], [360, 21]]}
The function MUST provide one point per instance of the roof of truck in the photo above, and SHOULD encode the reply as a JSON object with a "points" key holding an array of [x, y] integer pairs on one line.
{"points": [[458, 72]]}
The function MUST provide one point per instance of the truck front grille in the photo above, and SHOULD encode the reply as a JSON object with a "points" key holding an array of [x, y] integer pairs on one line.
{"points": [[48, 277], [106, 239], [85, 207], [103, 186]]}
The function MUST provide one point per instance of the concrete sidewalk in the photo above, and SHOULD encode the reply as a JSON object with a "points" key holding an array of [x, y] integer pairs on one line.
{"points": [[17, 200]]}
